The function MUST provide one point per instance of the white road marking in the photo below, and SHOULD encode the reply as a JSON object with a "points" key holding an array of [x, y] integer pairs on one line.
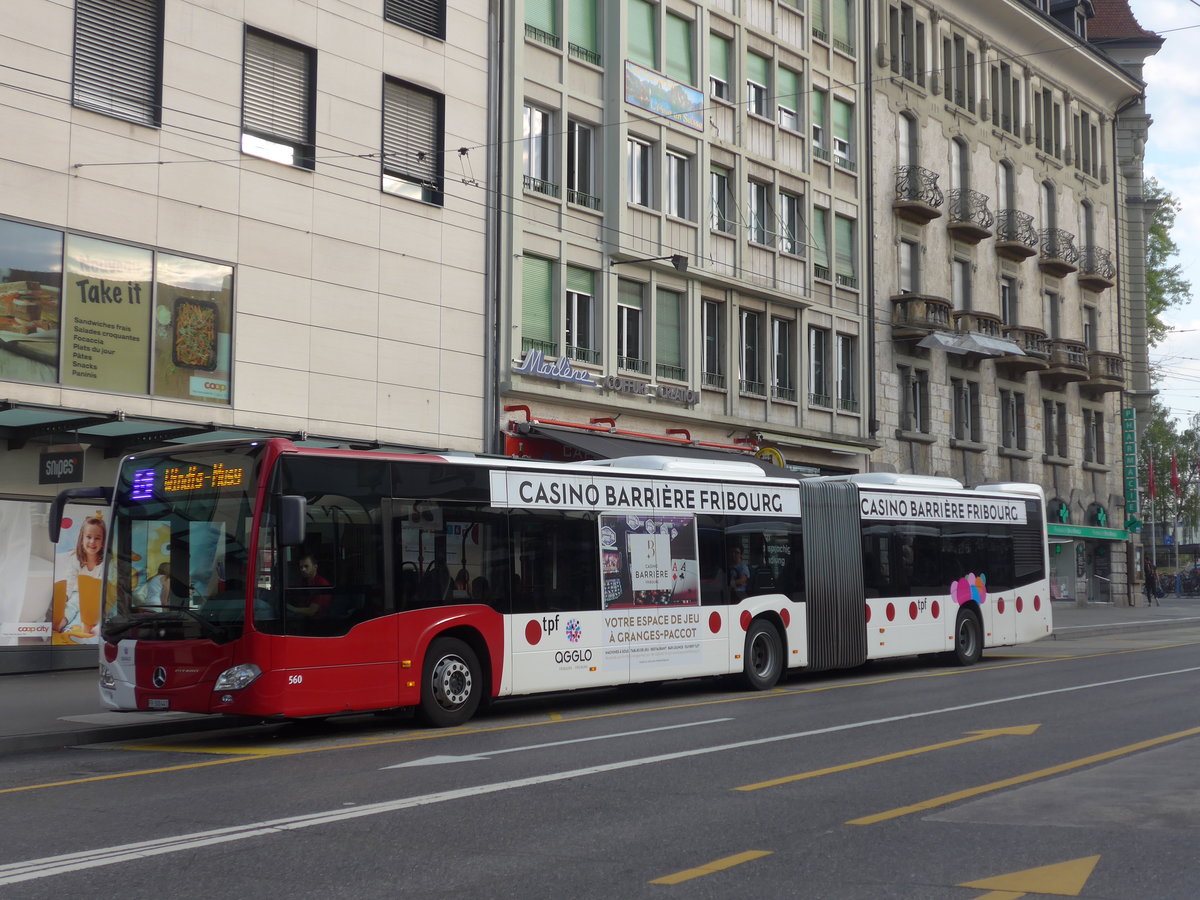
{"points": [[440, 760], [13, 873]]}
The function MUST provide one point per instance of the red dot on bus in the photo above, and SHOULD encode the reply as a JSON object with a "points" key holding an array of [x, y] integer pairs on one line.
{"points": [[744, 621], [533, 631], [67, 522], [1037, 602], [1000, 605], [714, 622], [912, 610], [936, 609], [891, 611], [1020, 604], [868, 612], [786, 617]]}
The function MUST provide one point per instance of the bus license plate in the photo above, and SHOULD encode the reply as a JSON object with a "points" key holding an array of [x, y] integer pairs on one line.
{"points": [[159, 703]]}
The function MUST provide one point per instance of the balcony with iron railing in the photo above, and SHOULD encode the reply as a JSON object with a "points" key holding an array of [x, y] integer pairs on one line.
{"points": [[917, 194], [822, 400], [1106, 372], [1068, 362], [1016, 238], [583, 54], [916, 315], [674, 373], [1059, 255], [779, 392], [541, 36], [754, 388], [633, 364], [970, 219], [581, 199], [713, 380], [547, 348], [847, 404], [538, 186], [1096, 269], [1033, 344], [584, 354]]}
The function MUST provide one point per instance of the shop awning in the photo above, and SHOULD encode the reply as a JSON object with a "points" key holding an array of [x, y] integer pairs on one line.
{"points": [[1065, 532], [610, 446]]}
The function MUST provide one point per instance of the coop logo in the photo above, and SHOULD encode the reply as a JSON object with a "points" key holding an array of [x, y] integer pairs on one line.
{"points": [[208, 387], [574, 631]]}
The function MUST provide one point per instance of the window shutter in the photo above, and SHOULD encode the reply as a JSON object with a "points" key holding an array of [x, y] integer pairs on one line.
{"points": [[629, 293], [425, 16], [411, 134], [541, 14], [821, 236], [679, 49], [537, 321], [818, 108], [718, 57], [787, 91], [641, 34], [844, 245], [581, 281], [758, 69], [276, 86], [582, 24], [843, 115], [668, 329], [841, 21], [118, 58]]}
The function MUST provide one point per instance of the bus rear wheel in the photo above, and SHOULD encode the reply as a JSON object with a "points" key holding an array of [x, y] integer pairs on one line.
{"points": [[451, 684], [968, 638], [763, 660]]}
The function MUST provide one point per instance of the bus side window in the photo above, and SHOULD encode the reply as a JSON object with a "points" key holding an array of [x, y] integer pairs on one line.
{"points": [[714, 581]]}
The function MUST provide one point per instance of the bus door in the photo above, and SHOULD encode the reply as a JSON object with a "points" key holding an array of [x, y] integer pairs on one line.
{"points": [[338, 636]]}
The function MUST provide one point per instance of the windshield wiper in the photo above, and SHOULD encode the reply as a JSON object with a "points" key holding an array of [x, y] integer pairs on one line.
{"points": [[212, 630]]}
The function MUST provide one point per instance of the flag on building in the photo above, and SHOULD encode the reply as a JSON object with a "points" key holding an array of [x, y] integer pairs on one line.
{"points": [[1174, 475], [1151, 487]]}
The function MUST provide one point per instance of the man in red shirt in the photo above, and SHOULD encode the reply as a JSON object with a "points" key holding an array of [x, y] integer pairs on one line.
{"points": [[315, 604]]}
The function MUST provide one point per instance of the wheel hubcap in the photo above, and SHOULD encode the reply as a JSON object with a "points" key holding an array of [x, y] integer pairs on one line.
{"points": [[761, 656], [451, 682]]}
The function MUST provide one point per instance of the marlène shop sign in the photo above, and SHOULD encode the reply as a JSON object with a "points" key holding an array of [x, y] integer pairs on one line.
{"points": [[535, 365]]}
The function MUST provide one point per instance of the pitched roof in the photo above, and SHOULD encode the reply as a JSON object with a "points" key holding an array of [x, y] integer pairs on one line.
{"points": [[1114, 21]]}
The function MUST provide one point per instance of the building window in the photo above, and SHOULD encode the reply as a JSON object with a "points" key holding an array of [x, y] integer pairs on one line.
{"points": [[629, 326], [847, 379], [537, 309], [843, 134], [819, 13], [1047, 116], [910, 267], [757, 84], [412, 141], [278, 100], [1054, 428], [1093, 436], [783, 384], [914, 399], [960, 284], [1012, 419], [750, 371], [759, 200], [680, 53], [1006, 98], [541, 22], [843, 25], [1008, 300], [580, 315], [787, 98], [1087, 150], [959, 72], [819, 125], [668, 335], [713, 326], [581, 179], [678, 185], [718, 66], [820, 243], [719, 187], [818, 367], [638, 171], [583, 31], [117, 64], [965, 414], [642, 33], [537, 150], [425, 16], [845, 237], [907, 37], [791, 220], [1050, 317]]}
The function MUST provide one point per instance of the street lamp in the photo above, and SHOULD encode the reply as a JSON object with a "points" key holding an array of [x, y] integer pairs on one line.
{"points": [[678, 260]]}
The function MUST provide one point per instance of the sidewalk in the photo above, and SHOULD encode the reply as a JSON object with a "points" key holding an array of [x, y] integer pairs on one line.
{"points": [[57, 709]]}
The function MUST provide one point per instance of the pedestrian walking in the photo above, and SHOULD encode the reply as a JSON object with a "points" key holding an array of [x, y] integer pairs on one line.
{"points": [[1151, 573]]}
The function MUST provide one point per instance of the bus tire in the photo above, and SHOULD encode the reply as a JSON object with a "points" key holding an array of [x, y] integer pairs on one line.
{"points": [[968, 638], [762, 663], [451, 683]]}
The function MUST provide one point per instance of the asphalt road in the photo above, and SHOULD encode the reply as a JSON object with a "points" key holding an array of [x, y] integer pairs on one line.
{"points": [[1058, 769]]}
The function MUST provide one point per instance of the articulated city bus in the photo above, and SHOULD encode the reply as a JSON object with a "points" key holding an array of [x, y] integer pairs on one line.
{"points": [[262, 579]]}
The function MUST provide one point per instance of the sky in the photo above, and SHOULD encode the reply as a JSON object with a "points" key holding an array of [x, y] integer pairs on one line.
{"points": [[1173, 99]]}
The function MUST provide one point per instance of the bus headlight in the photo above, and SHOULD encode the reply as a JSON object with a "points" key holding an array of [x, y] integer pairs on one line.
{"points": [[237, 678]]}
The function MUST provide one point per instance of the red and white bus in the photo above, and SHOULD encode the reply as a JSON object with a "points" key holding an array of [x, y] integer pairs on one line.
{"points": [[262, 579]]}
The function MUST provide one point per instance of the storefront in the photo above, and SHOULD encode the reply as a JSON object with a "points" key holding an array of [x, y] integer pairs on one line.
{"points": [[1087, 563]]}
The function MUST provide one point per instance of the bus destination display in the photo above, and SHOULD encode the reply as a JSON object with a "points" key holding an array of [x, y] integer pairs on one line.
{"points": [[175, 480]]}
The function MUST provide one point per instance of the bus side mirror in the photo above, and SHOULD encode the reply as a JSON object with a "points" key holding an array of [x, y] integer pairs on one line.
{"points": [[59, 503], [293, 510]]}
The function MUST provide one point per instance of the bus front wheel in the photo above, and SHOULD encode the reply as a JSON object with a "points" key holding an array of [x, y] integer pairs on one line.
{"points": [[968, 638], [451, 684], [763, 659]]}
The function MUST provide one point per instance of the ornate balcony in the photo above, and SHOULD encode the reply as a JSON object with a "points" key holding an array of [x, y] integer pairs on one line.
{"points": [[917, 195], [970, 219], [1068, 362], [978, 322], [1106, 372], [1059, 256], [1016, 238], [915, 315], [1096, 269], [1033, 342]]}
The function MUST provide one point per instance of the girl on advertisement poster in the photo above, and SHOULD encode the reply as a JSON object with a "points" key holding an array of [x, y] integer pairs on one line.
{"points": [[78, 590]]}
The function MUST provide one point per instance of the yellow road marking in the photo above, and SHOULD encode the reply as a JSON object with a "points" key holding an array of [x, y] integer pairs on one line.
{"points": [[715, 866], [115, 775], [946, 799], [219, 751], [1064, 879], [902, 754]]}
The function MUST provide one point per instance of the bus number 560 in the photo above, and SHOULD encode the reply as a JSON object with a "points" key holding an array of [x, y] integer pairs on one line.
{"points": [[295, 679]]}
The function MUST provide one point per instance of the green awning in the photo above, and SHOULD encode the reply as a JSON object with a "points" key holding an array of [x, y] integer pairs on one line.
{"points": [[1088, 531]]}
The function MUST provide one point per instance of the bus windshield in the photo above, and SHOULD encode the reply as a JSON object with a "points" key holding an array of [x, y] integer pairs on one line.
{"points": [[179, 551]]}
